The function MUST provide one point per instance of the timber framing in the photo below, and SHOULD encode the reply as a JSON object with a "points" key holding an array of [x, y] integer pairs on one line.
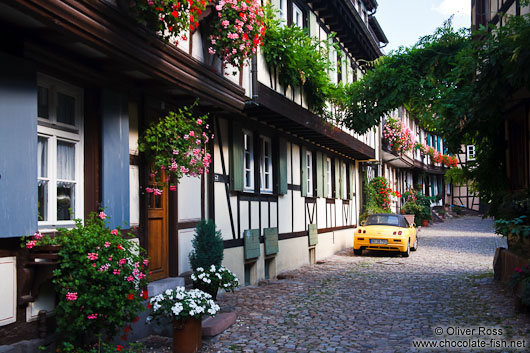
{"points": [[343, 18], [124, 43], [275, 109]]}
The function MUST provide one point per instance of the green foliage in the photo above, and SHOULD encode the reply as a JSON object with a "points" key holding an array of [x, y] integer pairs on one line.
{"points": [[418, 204], [521, 276], [517, 226], [99, 281], [208, 246], [458, 85], [371, 205], [456, 176], [299, 60]]}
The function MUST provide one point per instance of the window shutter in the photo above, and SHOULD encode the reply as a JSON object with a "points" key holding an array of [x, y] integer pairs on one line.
{"points": [[337, 179], [303, 174], [352, 181], [236, 157], [281, 169], [18, 143], [115, 157], [320, 175]]}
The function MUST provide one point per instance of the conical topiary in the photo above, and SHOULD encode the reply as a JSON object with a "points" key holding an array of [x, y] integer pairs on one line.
{"points": [[208, 246]]}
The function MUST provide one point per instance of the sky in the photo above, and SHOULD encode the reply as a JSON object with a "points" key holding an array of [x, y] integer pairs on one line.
{"points": [[405, 21]]}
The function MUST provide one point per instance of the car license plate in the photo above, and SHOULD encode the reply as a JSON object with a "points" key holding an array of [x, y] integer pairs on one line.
{"points": [[378, 241]]}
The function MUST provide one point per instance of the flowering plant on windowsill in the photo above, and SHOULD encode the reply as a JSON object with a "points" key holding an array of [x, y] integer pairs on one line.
{"points": [[176, 146], [100, 282], [170, 19], [236, 30], [180, 304], [215, 277]]}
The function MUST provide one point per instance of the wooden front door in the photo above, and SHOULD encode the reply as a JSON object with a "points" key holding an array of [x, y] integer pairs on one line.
{"points": [[157, 235]]}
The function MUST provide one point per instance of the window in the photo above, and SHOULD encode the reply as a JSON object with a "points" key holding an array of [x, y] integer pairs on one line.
{"points": [[344, 181], [60, 152], [248, 163], [283, 11], [265, 165], [329, 188], [309, 169], [298, 16], [470, 152], [333, 58]]}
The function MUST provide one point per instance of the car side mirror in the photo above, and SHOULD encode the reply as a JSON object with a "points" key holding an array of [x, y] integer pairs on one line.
{"points": [[412, 225]]}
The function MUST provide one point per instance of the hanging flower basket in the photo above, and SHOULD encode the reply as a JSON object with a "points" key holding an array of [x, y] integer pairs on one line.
{"points": [[236, 30], [170, 19], [176, 146]]}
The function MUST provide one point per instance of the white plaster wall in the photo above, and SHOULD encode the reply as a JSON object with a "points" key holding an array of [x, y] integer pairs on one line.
{"points": [[243, 215], [284, 203], [293, 254], [264, 215], [299, 212], [296, 164], [330, 243], [184, 248], [134, 195], [254, 216], [321, 212], [234, 260], [189, 199], [8, 290], [222, 217]]}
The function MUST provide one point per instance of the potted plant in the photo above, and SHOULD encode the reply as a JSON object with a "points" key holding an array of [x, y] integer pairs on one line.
{"points": [[185, 309], [100, 282], [213, 278]]}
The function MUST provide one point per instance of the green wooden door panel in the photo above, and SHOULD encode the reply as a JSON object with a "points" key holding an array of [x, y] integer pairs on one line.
{"points": [[271, 241], [251, 241], [352, 181], [337, 179], [313, 234], [236, 157], [282, 167]]}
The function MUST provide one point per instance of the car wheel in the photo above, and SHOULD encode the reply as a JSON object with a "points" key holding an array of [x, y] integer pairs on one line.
{"points": [[406, 253], [415, 246], [358, 252]]}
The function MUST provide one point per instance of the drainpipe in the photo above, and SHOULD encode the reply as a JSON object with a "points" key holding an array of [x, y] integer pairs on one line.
{"points": [[254, 70]]}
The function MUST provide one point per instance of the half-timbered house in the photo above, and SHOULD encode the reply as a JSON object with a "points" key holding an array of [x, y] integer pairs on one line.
{"points": [[80, 80]]}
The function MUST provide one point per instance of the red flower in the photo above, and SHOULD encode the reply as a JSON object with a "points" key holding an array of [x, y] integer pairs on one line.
{"points": [[136, 319], [127, 329], [120, 247], [119, 347], [131, 296], [149, 305], [146, 294]]}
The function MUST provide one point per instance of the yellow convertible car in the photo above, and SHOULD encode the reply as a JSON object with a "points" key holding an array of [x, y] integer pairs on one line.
{"points": [[385, 231]]}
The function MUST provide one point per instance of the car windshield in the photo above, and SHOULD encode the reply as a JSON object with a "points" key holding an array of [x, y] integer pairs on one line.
{"points": [[387, 220]]}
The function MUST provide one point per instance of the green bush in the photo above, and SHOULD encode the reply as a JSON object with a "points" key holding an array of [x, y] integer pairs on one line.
{"points": [[208, 246], [100, 282]]}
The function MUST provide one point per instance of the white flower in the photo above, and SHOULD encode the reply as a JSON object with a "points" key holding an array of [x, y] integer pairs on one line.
{"points": [[168, 292], [212, 269], [200, 269], [219, 276], [148, 319]]}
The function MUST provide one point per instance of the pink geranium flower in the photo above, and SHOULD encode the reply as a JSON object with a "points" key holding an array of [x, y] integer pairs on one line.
{"points": [[102, 215], [71, 296], [114, 232]]}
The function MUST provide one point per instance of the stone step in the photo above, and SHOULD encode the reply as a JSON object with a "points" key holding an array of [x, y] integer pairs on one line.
{"points": [[212, 326]]}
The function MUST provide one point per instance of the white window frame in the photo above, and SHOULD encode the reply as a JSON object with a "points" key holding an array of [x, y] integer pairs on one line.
{"points": [[470, 152], [55, 131], [298, 16], [344, 181], [266, 161], [329, 186], [283, 12], [333, 73], [248, 149], [309, 172]]}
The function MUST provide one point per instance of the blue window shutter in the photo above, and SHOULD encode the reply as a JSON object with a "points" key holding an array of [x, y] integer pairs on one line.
{"points": [[18, 145], [115, 158]]}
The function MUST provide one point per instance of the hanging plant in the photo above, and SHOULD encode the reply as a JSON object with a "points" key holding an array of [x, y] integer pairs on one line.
{"points": [[237, 29], [399, 136], [175, 146], [171, 19]]}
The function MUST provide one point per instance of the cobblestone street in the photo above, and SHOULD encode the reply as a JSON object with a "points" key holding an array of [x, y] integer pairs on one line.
{"points": [[379, 302]]}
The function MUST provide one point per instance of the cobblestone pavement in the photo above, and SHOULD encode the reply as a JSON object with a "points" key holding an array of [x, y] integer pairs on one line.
{"points": [[379, 302]]}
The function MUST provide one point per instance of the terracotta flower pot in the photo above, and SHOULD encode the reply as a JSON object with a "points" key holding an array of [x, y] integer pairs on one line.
{"points": [[424, 222], [187, 335]]}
